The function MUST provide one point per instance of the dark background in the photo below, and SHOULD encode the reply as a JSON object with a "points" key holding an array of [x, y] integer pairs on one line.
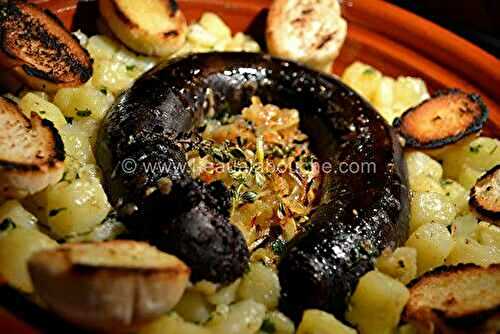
{"points": [[475, 20]]}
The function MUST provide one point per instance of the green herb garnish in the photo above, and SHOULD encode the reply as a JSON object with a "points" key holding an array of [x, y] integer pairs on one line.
{"points": [[475, 149], [130, 67], [83, 113], [6, 224], [268, 326], [69, 119], [369, 71], [104, 91], [54, 212], [249, 197], [278, 247]]}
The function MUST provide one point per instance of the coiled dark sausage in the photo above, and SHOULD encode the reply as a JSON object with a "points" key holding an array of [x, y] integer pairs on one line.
{"points": [[361, 211]]}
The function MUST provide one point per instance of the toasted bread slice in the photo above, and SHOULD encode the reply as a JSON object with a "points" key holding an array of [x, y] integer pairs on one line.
{"points": [[31, 152], [461, 299], [449, 116], [154, 27], [108, 286], [485, 195], [35, 45], [311, 32]]}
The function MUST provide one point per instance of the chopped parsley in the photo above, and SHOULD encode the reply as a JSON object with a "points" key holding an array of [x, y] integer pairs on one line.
{"points": [[278, 247], [104, 91], [6, 224], [83, 113], [42, 112], [54, 212], [130, 67], [69, 119], [369, 71], [475, 149], [268, 326], [446, 182], [249, 197]]}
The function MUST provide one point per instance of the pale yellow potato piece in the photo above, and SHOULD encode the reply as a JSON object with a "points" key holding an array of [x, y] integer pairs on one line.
{"points": [[319, 322], [363, 78], [424, 183], [244, 317], [408, 92], [419, 163], [215, 25], [400, 264], [261, 284], [377, 303], [488, 234], [74, 207], [82, 102], [225, 295], [32, 102], [456, 194], [280, 323], [464, 226], [430, 207], [433, 243], [14, 211], [172, 323], [194, 307], [16, 247], [467, 250]]}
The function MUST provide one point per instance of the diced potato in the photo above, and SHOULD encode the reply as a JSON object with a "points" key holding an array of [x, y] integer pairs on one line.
{"points": [[363, 78], [244, 317], [82, 102], [225, 295], [15, 249], [464, 226], [430, 208], [102, 47], [433, 243], [482, 153], [400, 264], [75, 207], [278, 323], [468, 176], [319, 322], [14, 211], [172, 323], [456, 194], [200, 36], [408, 92], [488, 234], [377, 303], [384, 95], [193, 307], [261, 284], [215, 25], [205, 287], [32, 102], [467, 250], [420, 163], [407, 329], [424, 183], [78, 150]]}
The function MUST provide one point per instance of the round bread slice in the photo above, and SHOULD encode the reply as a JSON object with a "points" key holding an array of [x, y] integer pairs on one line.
{"points": [[31, 152], [154, 27], [111, 286], [35, 45], [311, 32]]}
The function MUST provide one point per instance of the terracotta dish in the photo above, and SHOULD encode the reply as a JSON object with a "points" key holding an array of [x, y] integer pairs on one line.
{"points": [[382, 35]]}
